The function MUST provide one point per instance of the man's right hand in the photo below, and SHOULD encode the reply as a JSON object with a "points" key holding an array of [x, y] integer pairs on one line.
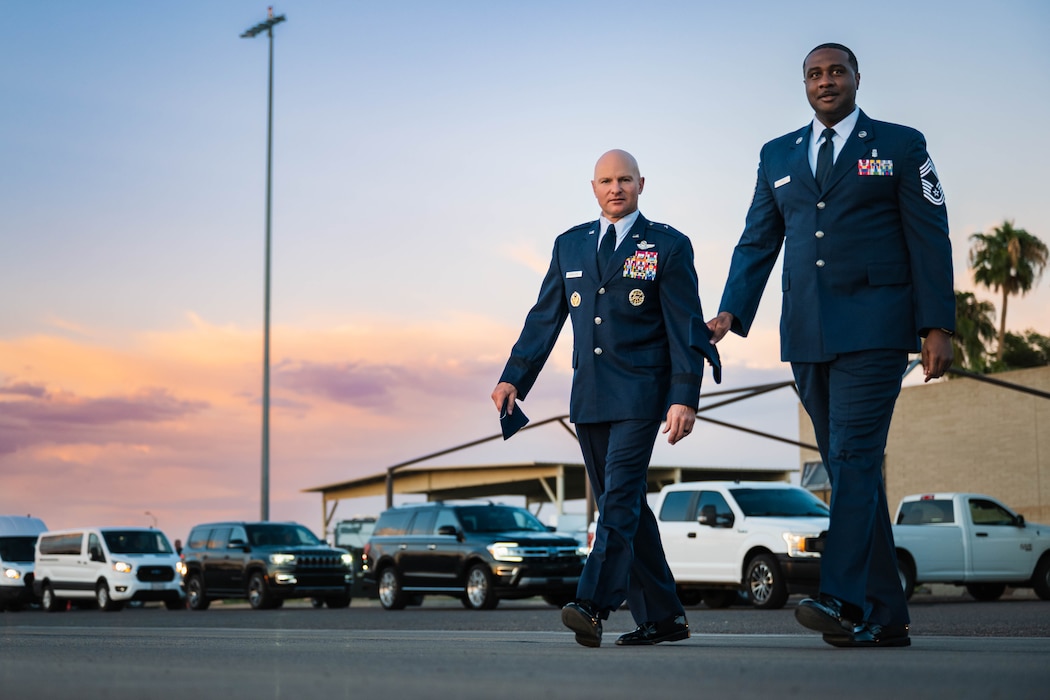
{"points": [[720, 325], [504, 394]]}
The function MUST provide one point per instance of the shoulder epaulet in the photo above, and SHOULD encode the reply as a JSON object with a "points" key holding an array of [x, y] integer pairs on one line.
{"points": [[661, 227], [577, 227]]}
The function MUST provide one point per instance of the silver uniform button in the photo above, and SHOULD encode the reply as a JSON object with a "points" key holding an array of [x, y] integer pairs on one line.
{"points": [[820, 263], [597, 351], [820, 205], [601, 290], [597, 320], [819, 234]]}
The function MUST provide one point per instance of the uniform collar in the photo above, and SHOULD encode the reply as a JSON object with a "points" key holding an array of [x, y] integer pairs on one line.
{"points": [[622, 226]]}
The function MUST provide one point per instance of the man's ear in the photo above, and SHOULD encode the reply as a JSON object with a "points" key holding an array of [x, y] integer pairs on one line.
{"points": [[641, 184]]}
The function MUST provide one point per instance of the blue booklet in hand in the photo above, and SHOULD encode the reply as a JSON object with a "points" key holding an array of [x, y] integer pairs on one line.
{"points": [[511, 423]]}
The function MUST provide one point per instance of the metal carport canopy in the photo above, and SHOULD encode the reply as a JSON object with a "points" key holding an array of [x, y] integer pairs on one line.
{"points": [[537, 482]]}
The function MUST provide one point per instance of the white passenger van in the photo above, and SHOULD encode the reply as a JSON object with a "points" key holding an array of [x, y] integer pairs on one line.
{"points": [[110, 565], [18, 535]]}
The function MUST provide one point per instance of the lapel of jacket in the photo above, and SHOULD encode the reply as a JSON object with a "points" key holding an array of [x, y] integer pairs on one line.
{"points": [[624, 250], [587, 245], [853, 150], [798, 159]]}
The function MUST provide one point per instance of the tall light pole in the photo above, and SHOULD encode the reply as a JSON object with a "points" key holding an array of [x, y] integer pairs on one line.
{"points": [[264, 507]]}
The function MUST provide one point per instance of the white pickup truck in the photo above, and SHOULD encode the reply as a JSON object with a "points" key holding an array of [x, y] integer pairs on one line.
{"points": [[724, 538], [971, 540]]}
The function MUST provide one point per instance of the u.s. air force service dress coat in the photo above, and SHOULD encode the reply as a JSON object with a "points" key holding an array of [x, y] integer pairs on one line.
{"points": [[867, 261], [633, 325]]}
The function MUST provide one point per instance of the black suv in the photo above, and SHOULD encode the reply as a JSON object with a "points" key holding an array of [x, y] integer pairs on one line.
{"points": [[265, 562], [352, 535], [478, 553]]}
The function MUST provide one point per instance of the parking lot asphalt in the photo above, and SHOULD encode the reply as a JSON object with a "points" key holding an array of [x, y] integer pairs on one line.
{"points": [[961, 649]]}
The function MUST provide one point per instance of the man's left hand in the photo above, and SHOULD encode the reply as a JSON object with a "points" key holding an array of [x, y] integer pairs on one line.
{"points": [[680, 420], [937, 353]]}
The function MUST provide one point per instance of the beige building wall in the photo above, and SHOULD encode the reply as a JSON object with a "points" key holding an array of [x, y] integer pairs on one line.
{"points": [[966, 435]]}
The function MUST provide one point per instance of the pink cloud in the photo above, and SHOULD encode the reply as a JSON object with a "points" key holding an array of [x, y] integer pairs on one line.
{"points": [[66, 418], [379, 386], [24, 389]]}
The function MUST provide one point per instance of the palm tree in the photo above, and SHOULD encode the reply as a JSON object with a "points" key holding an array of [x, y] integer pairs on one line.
{"points": [[1010, 259], [974, 330]]}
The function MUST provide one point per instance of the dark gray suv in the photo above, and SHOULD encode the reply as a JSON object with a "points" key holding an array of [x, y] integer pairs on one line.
{"points": [[479, 553], [265, 562]]}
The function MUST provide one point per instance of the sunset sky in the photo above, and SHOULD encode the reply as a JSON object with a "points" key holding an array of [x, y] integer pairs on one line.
{"points": [[426, 155]]}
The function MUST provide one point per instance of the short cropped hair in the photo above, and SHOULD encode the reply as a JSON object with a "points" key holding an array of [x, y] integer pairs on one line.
{"points": [[840, 47]]}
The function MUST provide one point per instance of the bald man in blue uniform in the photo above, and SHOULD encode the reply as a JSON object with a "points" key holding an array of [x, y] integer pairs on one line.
{"points": [[630, 288], [857, 207]]}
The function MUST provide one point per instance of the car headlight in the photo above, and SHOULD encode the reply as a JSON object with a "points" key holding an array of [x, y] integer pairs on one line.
{"points": [[282, 558], [181, 568], [122, 567], [348, 560], [796, 544], [12, 574], [506, 551]]}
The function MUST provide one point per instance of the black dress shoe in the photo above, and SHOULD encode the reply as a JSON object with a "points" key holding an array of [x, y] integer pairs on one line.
{"points": [[869, 634], [672, 629], [582, 618], [824, 615]]}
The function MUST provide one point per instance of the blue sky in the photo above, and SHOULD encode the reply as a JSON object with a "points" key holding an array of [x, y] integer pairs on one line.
{"points": [[426, 154]]}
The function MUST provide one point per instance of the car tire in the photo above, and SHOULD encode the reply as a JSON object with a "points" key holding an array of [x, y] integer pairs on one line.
{"points": [[391, 594], [104, 599], [479, 592], [195, 596], [559, 600], [1041, 579], [259, 596], [48, 600], [338, 601], [765, 583], [689, 597], [906, 573], [717, 598], [175, 603], [986, 592]]}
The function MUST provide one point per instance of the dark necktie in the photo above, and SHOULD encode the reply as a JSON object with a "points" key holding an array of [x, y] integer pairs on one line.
{"points": [[608, 245], [825, 158]]}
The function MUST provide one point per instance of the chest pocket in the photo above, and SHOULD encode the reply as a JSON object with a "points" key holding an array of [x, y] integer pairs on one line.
{"points": [[641, 266]]}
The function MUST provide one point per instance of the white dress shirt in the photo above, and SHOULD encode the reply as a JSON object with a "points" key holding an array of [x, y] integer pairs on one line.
{"points": [[842, 131]]}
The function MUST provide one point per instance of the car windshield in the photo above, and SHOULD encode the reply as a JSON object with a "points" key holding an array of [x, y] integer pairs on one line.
{"points": [[137, 542], [281, 534], [354, 533], [790, 503], [17, 548], [497, 519]]}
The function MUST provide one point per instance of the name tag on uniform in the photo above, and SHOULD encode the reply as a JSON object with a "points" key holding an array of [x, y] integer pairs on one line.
{"points": [[573, 274], [782, 181]]}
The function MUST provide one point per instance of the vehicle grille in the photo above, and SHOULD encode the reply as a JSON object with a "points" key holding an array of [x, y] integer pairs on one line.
{"points": [[551, 553], [306, 562], [156, 573]]}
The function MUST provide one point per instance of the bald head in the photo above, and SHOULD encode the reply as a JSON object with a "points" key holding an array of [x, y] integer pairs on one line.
{"points": [[617, 159], [617, 183]]}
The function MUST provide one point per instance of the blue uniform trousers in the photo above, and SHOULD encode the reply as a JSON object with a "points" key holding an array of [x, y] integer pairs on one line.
{"points": [[850, 401], [627, 559]]}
